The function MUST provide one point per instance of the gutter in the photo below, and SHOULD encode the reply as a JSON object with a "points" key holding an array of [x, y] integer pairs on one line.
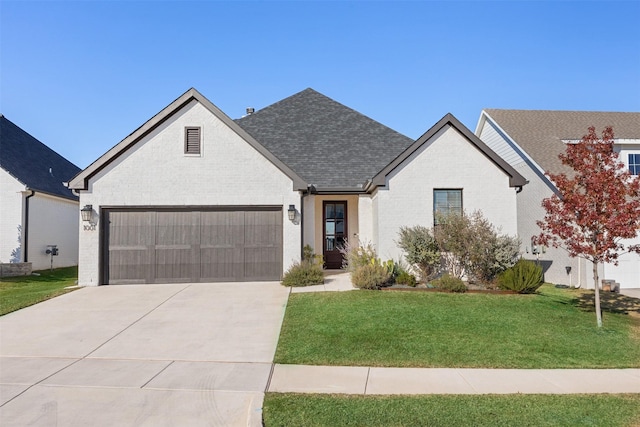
{"points": [[25, 231]]}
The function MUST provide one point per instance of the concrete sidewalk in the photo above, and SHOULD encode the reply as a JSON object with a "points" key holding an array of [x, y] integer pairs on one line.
{"points": [[377, 381]]}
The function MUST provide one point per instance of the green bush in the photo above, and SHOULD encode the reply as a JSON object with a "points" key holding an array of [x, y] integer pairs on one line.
{"points": [[405, 278], [420, 249], [304, 273], [370, 276], [450, 283], [525, 277]]}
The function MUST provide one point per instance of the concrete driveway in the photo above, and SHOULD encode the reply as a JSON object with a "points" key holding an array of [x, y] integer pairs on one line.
{"points": [[156, 355]]}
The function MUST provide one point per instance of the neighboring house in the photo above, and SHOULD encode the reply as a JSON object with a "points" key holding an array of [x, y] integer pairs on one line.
{"points": [[194, 196], [36, 209], [530, 141]]}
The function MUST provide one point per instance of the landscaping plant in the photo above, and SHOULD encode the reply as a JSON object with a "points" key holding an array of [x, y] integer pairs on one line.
{"points": [[370, 276], [356, 256], [525, 277], [306, 273], [596, 208], [472, 247], [420, 250], [450, 283]]}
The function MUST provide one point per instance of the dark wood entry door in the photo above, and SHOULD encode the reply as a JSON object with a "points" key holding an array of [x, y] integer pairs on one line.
{"points": [[334, 219]]}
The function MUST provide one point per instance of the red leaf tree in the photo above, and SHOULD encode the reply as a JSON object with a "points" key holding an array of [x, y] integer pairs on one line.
{"points": [[595, 208]]}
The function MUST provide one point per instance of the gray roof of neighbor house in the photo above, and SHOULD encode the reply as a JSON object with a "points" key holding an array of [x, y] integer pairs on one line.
{"points": [[32, 163], [328, 144], [541, 132]]}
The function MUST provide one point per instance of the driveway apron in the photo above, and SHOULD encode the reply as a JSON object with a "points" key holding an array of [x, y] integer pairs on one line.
{"points": [[156, 355]]}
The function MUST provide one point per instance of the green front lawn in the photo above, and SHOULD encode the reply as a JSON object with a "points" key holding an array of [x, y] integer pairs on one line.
{"points": [[552, 329], [23, 291], [452, 410]]}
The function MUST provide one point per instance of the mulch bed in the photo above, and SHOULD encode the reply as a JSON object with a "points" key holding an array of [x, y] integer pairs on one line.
{"points": [[468, 291]]}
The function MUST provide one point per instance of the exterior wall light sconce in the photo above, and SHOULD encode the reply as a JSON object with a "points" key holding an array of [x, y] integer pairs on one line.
{"points": [[292, 212], [86, 213]]}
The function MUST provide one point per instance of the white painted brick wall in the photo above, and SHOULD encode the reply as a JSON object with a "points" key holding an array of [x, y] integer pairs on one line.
{"points": [[10, 215], [447, 160], [155, 172]]}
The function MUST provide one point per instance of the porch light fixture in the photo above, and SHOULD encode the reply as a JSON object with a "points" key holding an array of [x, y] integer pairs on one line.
{"points": [[292, 212], [86, 212]]}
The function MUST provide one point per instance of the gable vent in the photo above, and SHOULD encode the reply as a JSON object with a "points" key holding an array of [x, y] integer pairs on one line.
{"points": [[192, 140]]}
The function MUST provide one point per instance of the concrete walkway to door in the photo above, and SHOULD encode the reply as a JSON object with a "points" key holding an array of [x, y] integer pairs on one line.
{"points": [[144, 355]]}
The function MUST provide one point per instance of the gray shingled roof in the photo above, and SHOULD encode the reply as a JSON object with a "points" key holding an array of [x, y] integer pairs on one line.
{"points": [[30, 161], [540, 132], [326, 143]]}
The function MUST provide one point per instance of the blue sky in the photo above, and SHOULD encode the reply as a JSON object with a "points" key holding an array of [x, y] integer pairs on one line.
{"points": [[80, 76]]}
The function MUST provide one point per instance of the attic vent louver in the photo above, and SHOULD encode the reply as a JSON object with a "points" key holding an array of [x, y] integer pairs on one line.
{"points": [[192, 140]]}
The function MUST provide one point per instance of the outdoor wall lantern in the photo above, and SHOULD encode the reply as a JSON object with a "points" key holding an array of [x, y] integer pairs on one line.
{"points": [[86, 213], [292, 212]]}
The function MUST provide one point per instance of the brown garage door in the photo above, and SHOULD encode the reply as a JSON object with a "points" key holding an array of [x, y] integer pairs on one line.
{"points": [[177, 245]]}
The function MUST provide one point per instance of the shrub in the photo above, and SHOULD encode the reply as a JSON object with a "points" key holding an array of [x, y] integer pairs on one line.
{"points": [[306, 273], [472, 247], [525, 277], [405, 278], [450, 283], [356, 256], [421, 250], [370, 276]]}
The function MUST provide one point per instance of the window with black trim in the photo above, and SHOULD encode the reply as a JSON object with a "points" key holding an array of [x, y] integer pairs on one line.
{"points": [[634, 164], [192, 140], [446, 202]]}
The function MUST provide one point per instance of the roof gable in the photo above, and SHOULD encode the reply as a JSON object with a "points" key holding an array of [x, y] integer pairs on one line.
{"points": [[515, 179], [80, 181], [330, 145], [32, 163], [540, 133]]}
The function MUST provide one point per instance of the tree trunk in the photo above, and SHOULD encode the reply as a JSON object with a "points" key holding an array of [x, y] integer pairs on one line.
{"points": [[597, 299]]}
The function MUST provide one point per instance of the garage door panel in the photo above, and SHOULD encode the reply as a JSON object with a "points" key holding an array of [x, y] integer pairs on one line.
{"points": [[222, 229], [131, 239], [221, 265], [168, 246], [177, 255], [130, 266], [263, 264]]}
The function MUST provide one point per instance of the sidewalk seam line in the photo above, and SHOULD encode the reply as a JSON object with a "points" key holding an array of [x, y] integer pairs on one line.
{"points": [[366, 383], [273, 367], [156, 375]]}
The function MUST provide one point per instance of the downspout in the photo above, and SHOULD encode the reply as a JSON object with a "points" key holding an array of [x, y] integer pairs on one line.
{"points": [[25, 231], [302, 194]]}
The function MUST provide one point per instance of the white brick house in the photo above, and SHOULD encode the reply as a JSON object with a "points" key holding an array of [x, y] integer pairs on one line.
{"points": [[193, 195], [36, 209]]}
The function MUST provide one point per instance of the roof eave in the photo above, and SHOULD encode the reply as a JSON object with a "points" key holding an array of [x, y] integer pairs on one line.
{"points": [[81, 180], [515, 179]]}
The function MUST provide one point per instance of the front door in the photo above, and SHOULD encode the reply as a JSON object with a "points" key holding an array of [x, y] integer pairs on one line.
{"points": [[334, 232]]}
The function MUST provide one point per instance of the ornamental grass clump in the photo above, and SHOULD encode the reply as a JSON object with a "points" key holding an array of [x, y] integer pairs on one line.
{"points": [[450, 283], [525, 277], [371, 276]]}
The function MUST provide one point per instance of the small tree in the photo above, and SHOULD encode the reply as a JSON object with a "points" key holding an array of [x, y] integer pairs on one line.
{"points": [[596, 208]]}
